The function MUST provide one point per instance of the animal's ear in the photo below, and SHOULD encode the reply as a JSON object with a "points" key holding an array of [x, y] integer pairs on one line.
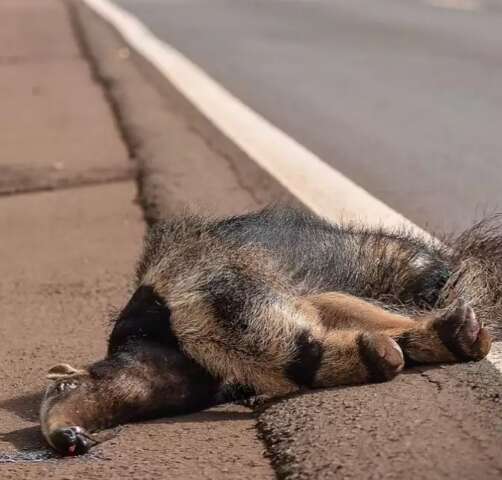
{"points": [[63, 370]]}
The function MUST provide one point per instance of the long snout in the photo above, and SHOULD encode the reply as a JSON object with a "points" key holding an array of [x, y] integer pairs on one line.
{"points": [[64, 428], [63, 435], [71, 440]]}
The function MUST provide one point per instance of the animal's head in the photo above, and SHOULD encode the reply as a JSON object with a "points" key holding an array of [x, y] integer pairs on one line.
{"points": [[70, 409], [142, 380]]}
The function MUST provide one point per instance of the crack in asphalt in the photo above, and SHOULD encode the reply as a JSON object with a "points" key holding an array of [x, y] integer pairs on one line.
{"points": [[23, 187], [8, 60], [104, 83], [126, 131], [132, 135], [434, 382]]}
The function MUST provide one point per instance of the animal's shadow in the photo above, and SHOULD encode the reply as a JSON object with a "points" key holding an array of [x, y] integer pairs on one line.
{"points": [[262, 404], [28, 438], [26, 407], [206, 416]]}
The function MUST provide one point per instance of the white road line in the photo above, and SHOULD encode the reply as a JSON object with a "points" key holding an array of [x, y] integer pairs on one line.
{"points": [[324, 190], [320, 187], [495, 356]]}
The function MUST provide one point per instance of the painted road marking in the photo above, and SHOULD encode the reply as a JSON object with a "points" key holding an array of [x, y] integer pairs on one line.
{"points": [[495, 356], [320, 187]]}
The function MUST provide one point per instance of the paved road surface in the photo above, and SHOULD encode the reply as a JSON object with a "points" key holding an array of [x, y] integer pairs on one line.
{"points": [[400, 95], [67, 255], [441, 423]]}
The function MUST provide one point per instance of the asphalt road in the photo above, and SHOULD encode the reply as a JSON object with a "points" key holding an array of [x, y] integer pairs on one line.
{"points": [[402, 96], [73, 231], [70, 232], [440, 423]]}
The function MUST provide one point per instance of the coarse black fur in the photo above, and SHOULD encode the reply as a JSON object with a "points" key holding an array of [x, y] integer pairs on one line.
{"points": [[305, 364], [168, 373], [364, 262], [301, 254], [398, 269], [145, 317]]}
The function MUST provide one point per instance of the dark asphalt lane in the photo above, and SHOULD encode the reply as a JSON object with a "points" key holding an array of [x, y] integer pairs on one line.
{"points": [[403, 97]]}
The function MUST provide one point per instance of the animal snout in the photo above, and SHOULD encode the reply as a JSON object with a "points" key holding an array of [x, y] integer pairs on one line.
{"points": [[71, 440]]}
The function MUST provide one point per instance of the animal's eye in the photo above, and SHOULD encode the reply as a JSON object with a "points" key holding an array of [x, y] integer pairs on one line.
{"points": [[65, 386]]}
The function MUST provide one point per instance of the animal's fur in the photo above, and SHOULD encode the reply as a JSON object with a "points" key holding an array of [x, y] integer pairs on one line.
{"points": [[279, 300]]}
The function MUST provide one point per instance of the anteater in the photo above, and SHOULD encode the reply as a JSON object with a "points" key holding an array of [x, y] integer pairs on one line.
{"points": [[272, 302]]}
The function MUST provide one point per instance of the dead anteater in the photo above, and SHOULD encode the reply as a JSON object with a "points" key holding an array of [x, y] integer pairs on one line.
{"points": [[276, 301]]}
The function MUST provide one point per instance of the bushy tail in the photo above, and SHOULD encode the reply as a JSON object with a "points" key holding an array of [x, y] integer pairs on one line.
{"points": [[476, 262]]}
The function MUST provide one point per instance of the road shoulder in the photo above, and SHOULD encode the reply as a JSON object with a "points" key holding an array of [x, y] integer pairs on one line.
{"points": [[68, 258]]}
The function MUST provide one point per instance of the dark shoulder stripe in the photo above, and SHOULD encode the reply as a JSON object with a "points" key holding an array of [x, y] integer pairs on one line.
{"points": [[302, 369], [146, 316], [371, 359]]}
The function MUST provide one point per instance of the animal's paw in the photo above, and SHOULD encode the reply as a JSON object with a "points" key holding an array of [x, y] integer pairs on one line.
{"points": [[462, 333], [381, 355]]}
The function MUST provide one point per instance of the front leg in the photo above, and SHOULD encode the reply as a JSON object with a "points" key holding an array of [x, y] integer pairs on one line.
{"points": [[139, 381]]}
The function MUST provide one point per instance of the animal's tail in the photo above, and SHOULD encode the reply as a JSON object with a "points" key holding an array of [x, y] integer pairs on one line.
{"points": [[476, 263]]}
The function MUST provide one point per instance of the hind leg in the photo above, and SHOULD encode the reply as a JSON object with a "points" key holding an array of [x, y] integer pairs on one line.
{"points": [[448, 336]]}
